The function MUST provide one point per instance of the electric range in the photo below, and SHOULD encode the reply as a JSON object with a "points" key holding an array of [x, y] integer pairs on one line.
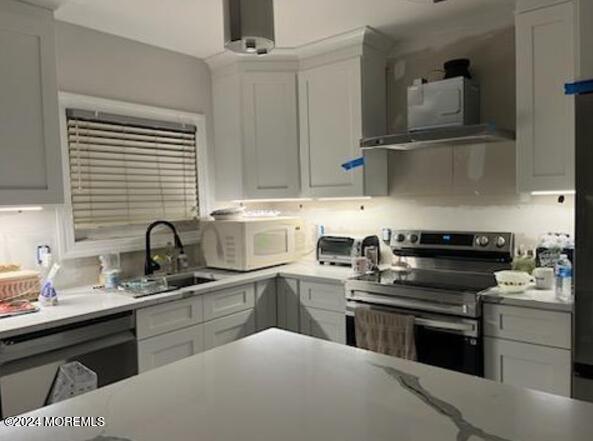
{"points": [[438, 278]]}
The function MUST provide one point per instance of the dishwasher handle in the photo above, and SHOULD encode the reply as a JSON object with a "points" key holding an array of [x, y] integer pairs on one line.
{"points": [[38, 343], [67, 353]]}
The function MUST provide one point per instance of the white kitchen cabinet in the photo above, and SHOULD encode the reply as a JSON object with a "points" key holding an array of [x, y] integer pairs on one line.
{"points": [[170, 316], [228, 329], [327, 325], [270, 135], [168, 348], [546, 328], [546, 40], [256, 134], [288, 304], [323, 295], [530, 366], [528, 347], [229, 301], [30, 161], [265, 305], [339, 103]]}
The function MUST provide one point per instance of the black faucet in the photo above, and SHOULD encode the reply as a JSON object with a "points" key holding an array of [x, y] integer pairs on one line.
{"points": [[150, 266]]}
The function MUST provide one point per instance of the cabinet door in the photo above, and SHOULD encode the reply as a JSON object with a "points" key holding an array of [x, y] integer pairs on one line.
{"points": [[530, 366], [265, 304], [227, 329], [546, 60], [331, 128], [270, 135], [328, 325], [168, 348], [288, 304], [30, 158]]}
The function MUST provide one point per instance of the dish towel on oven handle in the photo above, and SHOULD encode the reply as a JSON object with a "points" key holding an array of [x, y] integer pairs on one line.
{"points": [[385, 332]]}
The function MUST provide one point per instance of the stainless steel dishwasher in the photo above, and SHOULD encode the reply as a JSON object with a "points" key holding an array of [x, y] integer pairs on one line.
{"points": [[29, 363]]}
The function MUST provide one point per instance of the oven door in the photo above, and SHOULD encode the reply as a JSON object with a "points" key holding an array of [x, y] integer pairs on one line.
{"points": [[448, 342]]}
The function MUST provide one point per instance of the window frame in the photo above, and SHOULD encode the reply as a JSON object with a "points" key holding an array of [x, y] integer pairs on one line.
{"points": [[69, 248]]}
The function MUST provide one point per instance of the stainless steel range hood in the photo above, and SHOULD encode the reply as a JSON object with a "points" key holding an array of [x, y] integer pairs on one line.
{"points": [[441, 137]]}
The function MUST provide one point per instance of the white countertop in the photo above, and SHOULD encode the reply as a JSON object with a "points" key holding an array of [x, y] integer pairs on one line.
{"points": [[531, 298], [76, 305], [85, 303], [281, 386]]}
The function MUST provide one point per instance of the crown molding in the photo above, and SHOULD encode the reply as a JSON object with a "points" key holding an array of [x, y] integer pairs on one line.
{"points": [[344, 45]]}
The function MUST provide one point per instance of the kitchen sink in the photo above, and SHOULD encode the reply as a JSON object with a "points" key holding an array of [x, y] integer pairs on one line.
{"points": [[148, 286], [184, 280]]}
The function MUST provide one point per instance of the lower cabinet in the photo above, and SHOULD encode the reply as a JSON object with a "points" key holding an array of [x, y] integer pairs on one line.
{"points": [[227, 329], [526, 365], [170, 347], [315, 308], [266, 314], [528, 347], [288, 304], [328, 325], [178, 329]]}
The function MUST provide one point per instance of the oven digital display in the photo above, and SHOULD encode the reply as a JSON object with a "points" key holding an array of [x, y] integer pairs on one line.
{"points": [[454, 240]]}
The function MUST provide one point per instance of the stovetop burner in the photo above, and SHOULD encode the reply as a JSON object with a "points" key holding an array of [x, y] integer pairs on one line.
{"points": [[447, 280]]}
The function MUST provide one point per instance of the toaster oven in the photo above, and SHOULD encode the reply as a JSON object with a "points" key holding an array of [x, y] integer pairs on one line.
{"points": [[338, 250]]}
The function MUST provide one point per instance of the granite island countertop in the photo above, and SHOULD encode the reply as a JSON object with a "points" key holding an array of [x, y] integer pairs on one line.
{"points": [[282, 386]]}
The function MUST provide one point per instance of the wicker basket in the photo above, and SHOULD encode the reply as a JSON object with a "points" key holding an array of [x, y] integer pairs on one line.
{"points": [[22, 284]]}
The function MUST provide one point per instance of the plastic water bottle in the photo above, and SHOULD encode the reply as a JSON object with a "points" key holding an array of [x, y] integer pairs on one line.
{"points": [[564, 279]]}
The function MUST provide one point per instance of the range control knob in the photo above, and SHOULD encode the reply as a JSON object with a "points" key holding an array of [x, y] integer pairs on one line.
{"points": [[500, 242], [400, 238], [413, 238], [483, 241]]}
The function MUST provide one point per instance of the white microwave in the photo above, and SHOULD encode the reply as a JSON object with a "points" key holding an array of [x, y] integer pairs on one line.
{"points": [[252, 243]]}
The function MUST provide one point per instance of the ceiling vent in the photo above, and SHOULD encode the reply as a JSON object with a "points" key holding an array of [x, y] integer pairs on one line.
{"points": [[249, 26]]}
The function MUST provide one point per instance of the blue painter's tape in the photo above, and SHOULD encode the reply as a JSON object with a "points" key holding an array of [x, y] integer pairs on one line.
{"points": [[579, 88], [355, 163]]}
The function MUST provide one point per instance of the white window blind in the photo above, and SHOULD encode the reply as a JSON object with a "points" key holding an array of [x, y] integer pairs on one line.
{"points": [[126, 170]]}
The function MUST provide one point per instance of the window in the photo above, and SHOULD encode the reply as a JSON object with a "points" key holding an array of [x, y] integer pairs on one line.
{"points": [[127, 166]]}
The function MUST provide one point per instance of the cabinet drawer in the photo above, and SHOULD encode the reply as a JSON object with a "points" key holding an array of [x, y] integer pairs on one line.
{"points": [[328, 325], [530, 366], [168, 348], [168, 317], [549, 328], [227, 329], [323, 296], [229, 301]]}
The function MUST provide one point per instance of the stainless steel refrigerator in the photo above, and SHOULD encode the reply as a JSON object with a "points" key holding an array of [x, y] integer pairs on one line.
{"points": [[583, 338]]}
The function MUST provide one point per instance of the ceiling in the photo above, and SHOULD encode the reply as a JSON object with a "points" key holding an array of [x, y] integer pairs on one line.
{"points": [[194, 27]]}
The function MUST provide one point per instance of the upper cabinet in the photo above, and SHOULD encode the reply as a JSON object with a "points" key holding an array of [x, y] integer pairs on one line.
{"points": [[277, 139], [270, 138], [255, 130], [30, 159], [547, 58], [342, 98]]}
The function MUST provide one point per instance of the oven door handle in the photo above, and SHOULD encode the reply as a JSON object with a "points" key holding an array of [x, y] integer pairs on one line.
{"points": [[461, 327], [449, 326]]}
